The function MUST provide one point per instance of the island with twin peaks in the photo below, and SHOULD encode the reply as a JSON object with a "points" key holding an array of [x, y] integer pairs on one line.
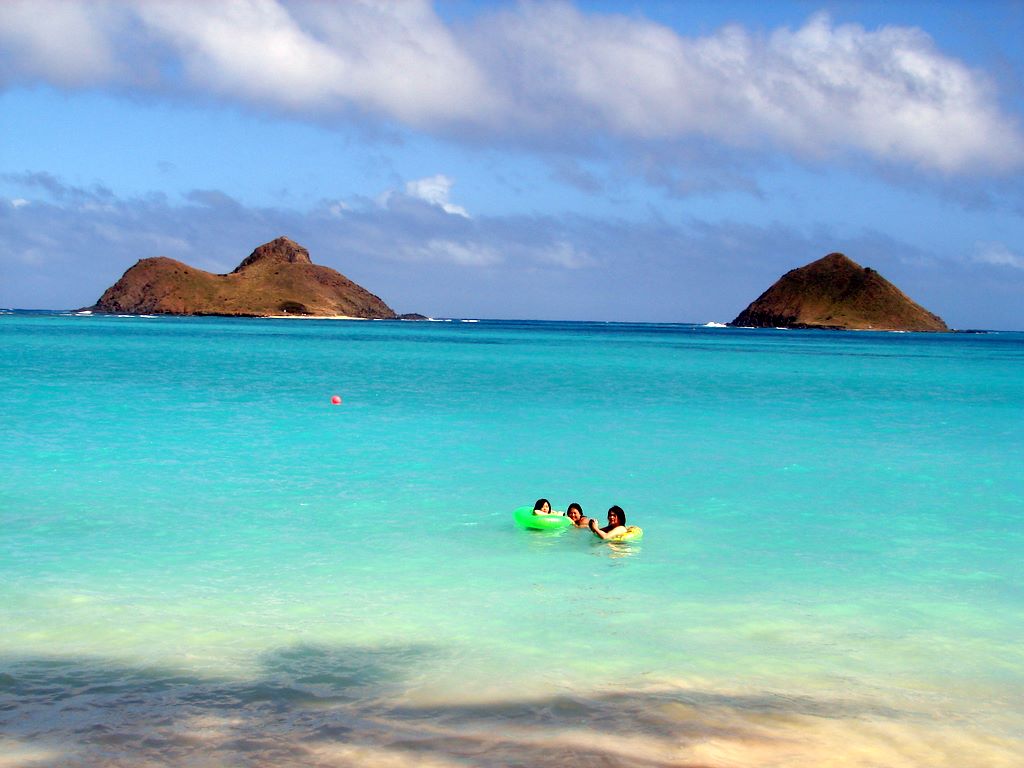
{"points": [[837, 293], [278, 279]]}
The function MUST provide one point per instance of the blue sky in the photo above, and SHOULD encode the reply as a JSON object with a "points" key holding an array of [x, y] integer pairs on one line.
{"points": [[659, 161]]}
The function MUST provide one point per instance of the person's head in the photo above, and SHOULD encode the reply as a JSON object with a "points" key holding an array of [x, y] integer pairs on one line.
{"points": [[574, 512], [542, 505], [616, 516]]}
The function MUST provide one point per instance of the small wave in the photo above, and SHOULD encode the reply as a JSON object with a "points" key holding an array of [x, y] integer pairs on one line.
{"points": [[84, 313], [470, 321], [713, 324]]}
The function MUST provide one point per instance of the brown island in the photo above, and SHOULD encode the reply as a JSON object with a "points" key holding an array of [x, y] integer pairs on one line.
{"points": [[277, 279], [835, 292]]}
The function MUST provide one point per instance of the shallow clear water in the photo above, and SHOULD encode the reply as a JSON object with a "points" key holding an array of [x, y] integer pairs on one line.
{"points": [[204, 562]]}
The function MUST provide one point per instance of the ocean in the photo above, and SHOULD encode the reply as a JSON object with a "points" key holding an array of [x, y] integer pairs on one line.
{"points": [[203, 562]]}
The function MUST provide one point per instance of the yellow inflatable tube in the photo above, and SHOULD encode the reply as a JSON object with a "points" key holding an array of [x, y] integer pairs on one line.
{"points": [[633, 532]]}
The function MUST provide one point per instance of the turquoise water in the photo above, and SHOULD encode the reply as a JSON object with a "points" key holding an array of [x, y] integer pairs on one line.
{"points": [[204, 562]]}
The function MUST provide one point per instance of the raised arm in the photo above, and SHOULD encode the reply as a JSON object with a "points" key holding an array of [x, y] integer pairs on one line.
{"points": [[618, 530]]}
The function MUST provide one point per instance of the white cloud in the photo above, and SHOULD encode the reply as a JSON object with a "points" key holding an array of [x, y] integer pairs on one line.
{"points": [[338, 208], [395, 59], [249, 50], [998, 254], [435, 190], [466, 254], [565, 254], [19, 202], [534, 73], [813, 91], [68, 44]]}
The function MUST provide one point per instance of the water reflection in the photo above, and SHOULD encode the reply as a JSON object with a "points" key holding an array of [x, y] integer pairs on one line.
{"points": [[618, 549]]}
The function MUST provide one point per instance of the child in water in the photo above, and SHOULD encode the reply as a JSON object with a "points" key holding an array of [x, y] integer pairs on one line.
{"points": [[575, 513], [543, 507], [616, 524]]}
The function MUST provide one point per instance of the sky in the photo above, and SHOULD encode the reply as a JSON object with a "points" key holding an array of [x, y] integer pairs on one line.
{"points": [[606, 160]]}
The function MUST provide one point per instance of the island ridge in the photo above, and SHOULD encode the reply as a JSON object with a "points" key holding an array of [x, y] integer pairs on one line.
{"points": [[276, 279]]}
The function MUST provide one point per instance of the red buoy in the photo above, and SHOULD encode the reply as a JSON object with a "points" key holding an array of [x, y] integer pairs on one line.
{"points": [[335, 400]]}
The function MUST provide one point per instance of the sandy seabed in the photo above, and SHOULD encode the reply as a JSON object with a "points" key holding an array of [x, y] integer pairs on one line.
{"points": [[103, 718]]}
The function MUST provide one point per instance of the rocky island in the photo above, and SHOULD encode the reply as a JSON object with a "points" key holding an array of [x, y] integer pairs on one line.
{"points": [[835, 292], [276, 279]]}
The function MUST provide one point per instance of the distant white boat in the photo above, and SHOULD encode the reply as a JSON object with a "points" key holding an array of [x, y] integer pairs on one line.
{"points": [[715, 325], [84, 313]]}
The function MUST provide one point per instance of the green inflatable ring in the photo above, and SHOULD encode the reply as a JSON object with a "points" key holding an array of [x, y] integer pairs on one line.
{"points": [[524, 516]]}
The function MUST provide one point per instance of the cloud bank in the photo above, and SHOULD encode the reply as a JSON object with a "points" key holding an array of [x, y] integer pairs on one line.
{"points": [[537, 75], [67, 244]]}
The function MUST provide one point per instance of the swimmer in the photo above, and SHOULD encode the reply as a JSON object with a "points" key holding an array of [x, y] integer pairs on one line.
{"points": [[575, 513], [543, 507], [616, 524]]}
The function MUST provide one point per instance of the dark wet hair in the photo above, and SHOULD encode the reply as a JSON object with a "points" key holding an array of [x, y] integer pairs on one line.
{"points": [[540, 503], [573, 506], [618, 510]]}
